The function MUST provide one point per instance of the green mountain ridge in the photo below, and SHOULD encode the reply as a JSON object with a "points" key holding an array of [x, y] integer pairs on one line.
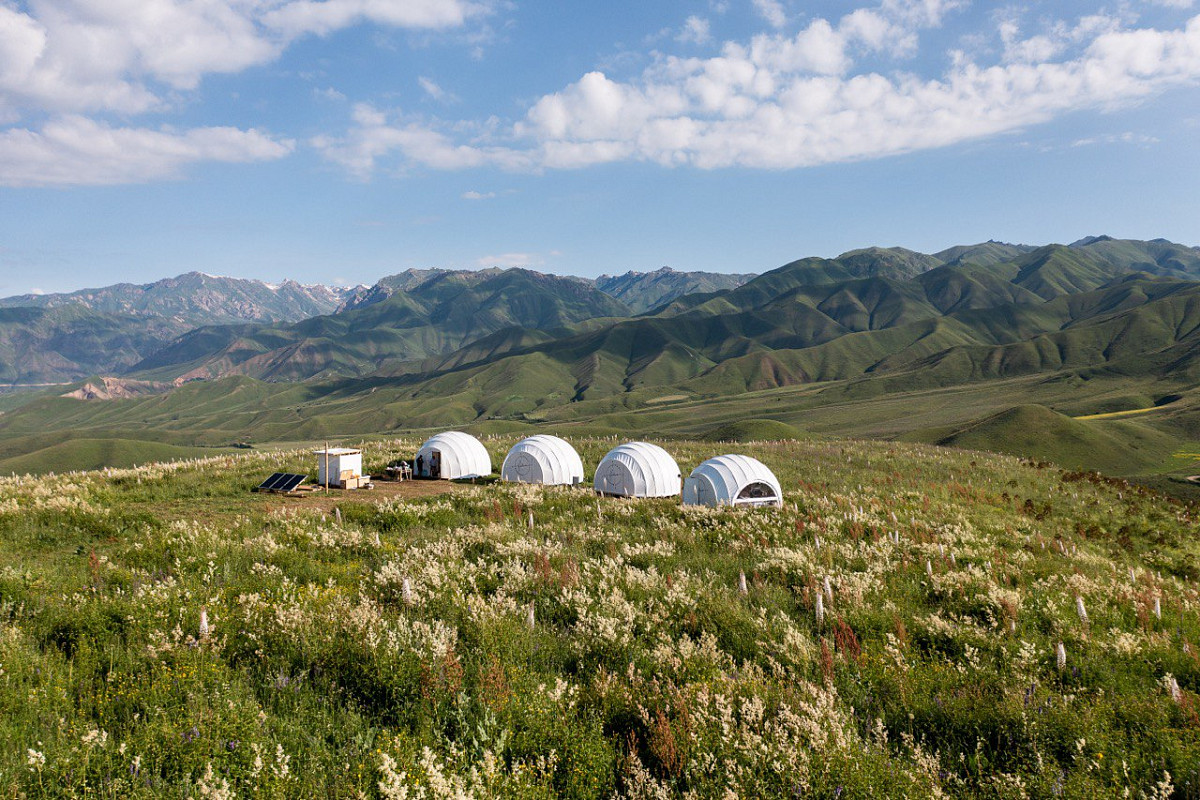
{"points": [[873, 342]]}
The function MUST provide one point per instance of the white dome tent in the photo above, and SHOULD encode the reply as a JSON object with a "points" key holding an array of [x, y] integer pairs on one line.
{"points": [[732, 480], [638, 469], [542, 459], [452, 455]]}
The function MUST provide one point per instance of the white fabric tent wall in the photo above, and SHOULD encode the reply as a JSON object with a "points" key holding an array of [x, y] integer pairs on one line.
{"points": [[638, 469], [542, 459], [462, 456], [720, 481]]}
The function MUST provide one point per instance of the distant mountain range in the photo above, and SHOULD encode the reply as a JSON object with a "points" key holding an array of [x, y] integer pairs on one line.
{"points": [[52, 338], [198, 299], [57, 338], [876, 341]]}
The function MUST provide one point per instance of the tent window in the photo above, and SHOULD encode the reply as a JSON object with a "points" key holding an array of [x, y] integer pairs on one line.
{"points": [[757, 491]]}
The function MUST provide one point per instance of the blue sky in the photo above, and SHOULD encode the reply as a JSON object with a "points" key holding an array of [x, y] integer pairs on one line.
{"points": [[338, 141]]}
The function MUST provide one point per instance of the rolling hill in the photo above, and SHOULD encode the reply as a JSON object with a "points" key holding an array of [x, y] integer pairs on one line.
{"points": [[880, 342]]}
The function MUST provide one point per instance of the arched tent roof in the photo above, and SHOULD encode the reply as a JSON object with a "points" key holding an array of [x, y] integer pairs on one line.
{"points": [[638, 469], [732, 480], [459, 455], [542, 459]]}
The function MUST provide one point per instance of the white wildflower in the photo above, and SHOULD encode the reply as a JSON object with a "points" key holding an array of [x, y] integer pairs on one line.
{"points": [[1157, 608], [828, 589], [820, 611], [213, 786], [95, 738], [929, 568], [281, 768], [1060, 653], [1172, 686], [743, 589], [406, 592], [204, 626], [35, 759], [530, 618], [393, 785], [1081, 609]]}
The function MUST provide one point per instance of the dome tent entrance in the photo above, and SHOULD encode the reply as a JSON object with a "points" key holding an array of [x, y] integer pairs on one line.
{"points": [[638, 469], [732, 480], [452, 455], [542, 459]]}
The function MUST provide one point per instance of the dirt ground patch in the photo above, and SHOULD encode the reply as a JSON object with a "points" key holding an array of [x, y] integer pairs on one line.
{"points": [[382, 490], [226, 506]]}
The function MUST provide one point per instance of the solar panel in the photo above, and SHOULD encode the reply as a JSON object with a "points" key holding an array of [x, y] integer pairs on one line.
{"points": [[281, 482], [269, 483], [290, 482]]}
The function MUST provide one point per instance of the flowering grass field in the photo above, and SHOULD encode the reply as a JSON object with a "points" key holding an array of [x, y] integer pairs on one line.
{"points": [[915, 622]]}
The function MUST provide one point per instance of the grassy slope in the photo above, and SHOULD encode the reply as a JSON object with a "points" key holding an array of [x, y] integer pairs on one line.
{"points": [[879, 343], [646, 669], [85, 454], [1038, 432]]}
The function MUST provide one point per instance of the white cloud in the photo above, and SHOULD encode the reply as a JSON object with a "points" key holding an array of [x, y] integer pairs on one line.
{"points": [[435, 91], [60, 59], [473, 195], [325, 16], [78, 151], [771, 11], [695, 31], [374, 137], [118, 55], [329, 94], [782, 102], [920, 13], [1128, 137], [874, 31]]}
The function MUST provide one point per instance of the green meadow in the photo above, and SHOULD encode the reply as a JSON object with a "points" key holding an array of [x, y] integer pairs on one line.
{"points": [[916, 621]]}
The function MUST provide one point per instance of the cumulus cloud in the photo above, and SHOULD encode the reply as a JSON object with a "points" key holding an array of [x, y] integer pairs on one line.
{"points": [[473, 195], [772, 12], [63, 59], [89, 55], [324, 16], [695, 31], [377, 134], [787, 101], [78, 151]]}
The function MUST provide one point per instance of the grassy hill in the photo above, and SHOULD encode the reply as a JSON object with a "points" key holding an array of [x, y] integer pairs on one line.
{"points": [[1034, 431], [644, 291], [879, 342], [435, 315], [915, 621], [85, 454]]}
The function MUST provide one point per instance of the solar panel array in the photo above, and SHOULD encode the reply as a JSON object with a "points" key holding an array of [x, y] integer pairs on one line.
{"points": [[281, 482]]}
